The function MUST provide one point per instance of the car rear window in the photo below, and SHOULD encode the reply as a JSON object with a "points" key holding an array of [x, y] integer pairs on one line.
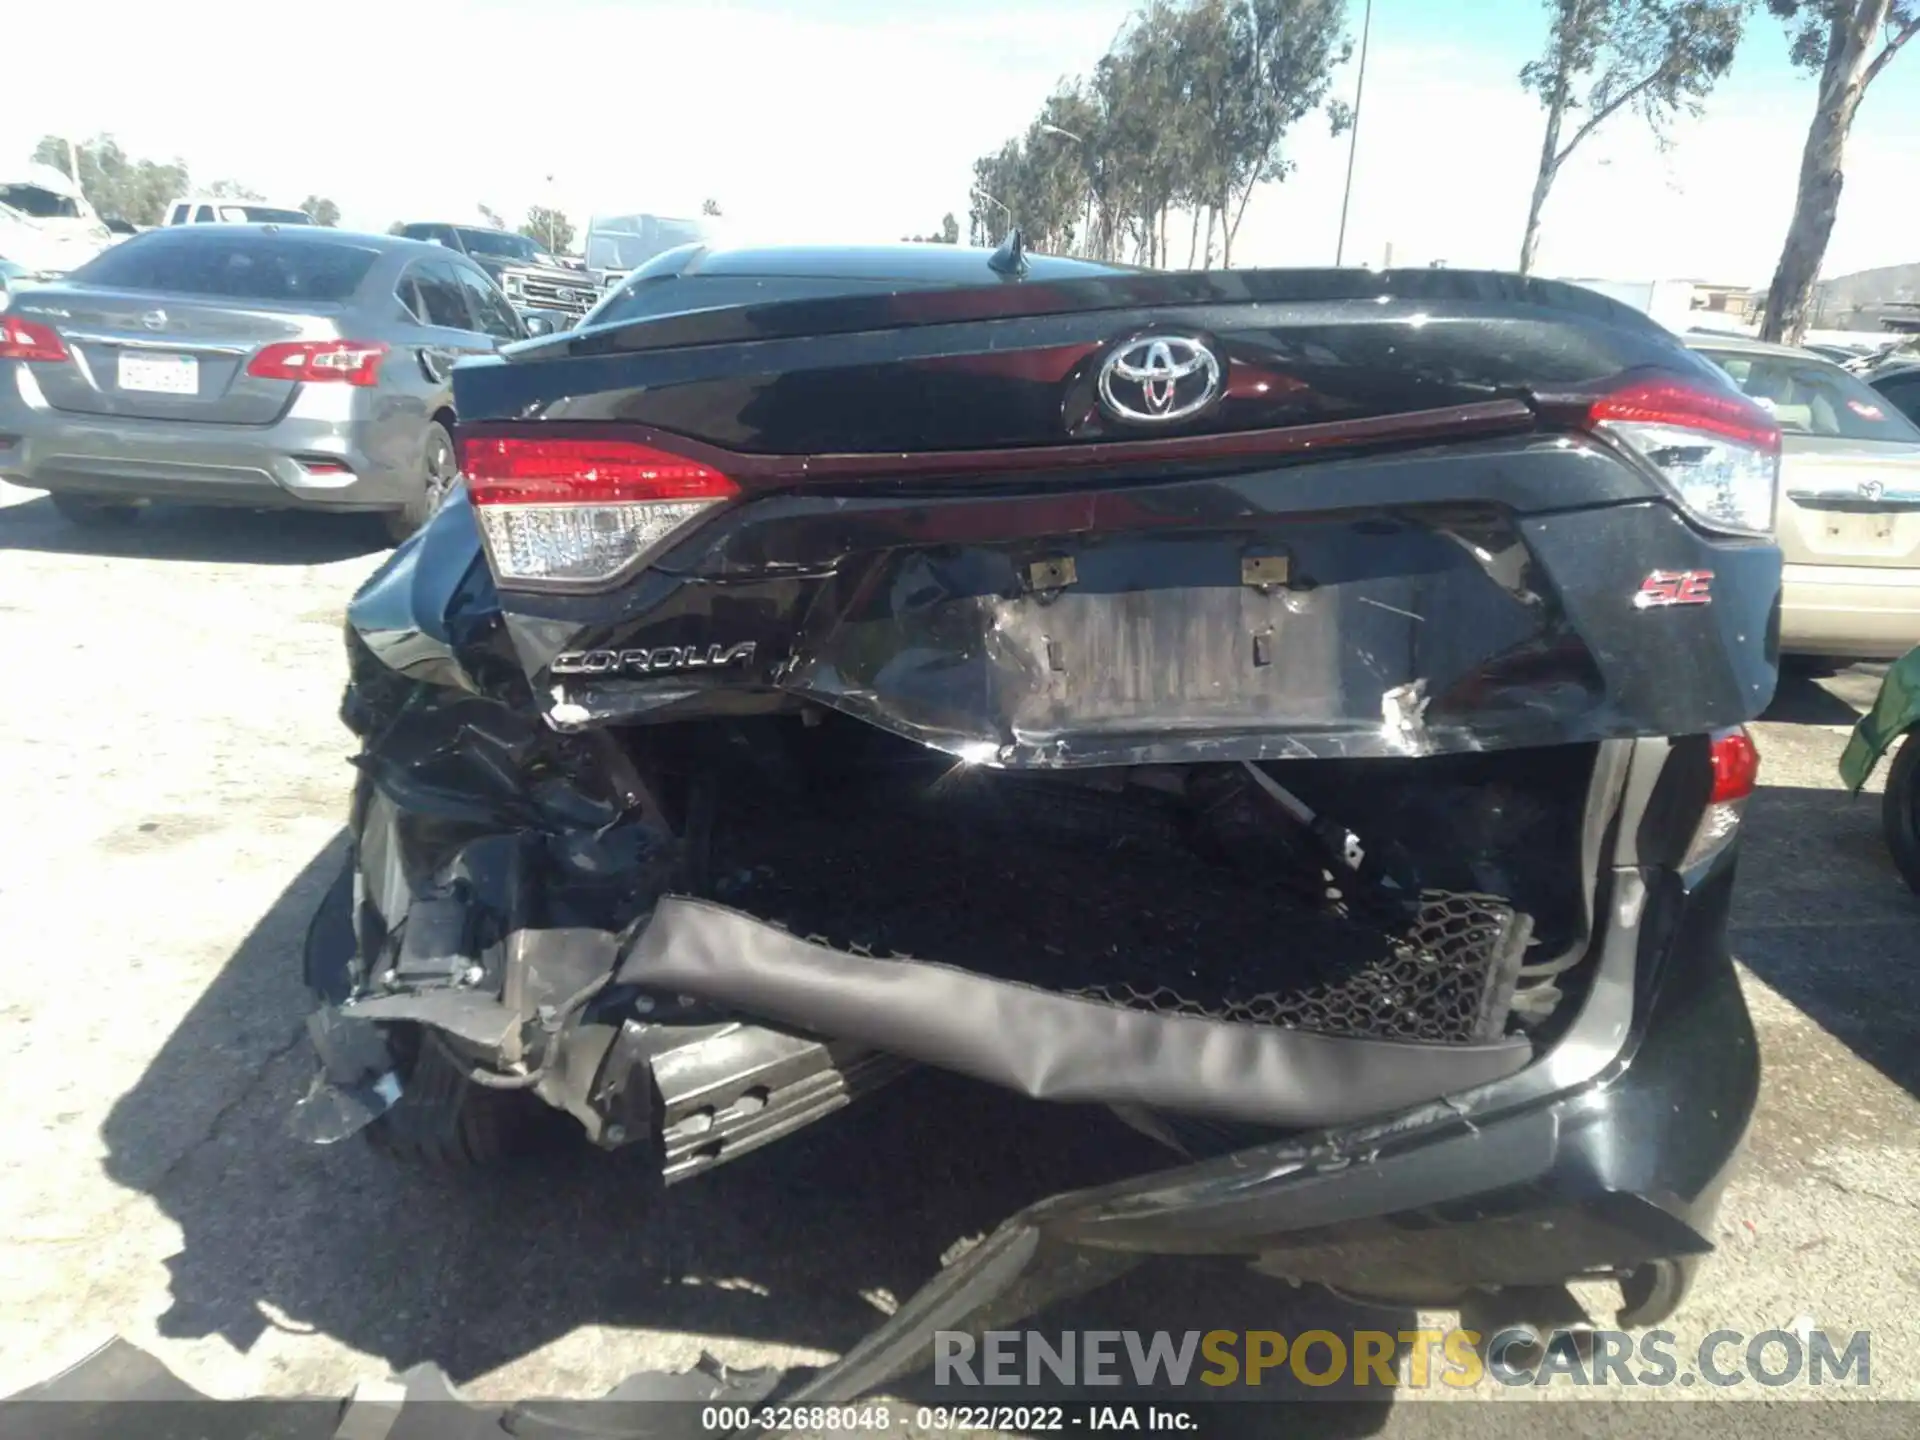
{"points": [[1811, 397], [233, 266]]}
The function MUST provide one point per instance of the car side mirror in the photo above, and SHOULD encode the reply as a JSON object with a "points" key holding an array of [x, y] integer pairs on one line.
{"points": [[538, 325]]}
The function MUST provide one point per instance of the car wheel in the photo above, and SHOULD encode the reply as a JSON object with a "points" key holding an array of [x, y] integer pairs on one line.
{"points": [[445, 1121], [440, 469], [1650, 1293], [1900, 810], [95, 514]]}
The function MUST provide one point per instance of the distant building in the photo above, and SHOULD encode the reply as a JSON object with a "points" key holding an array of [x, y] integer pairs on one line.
{"points": [[1884, 299], [1670, 302], [1736, 302], [1682, 304]]}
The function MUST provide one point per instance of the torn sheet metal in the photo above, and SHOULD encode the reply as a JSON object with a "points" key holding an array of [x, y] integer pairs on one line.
{"points": [[357, 1081], [1043, 1044]]}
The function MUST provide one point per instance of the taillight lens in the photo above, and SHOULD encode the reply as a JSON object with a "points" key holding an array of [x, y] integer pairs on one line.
{"points": [[580, 511], [1718, 450], [350, 362], [23, 339], [1736, 775]]}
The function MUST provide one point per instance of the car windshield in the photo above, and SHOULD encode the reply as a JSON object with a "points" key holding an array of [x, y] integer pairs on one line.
{"points": [[1809, 396], [501, 244], [39, 202], [234, 266], [263, 215]]}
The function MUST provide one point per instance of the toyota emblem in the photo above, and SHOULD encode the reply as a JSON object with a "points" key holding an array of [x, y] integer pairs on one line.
{"points": [[1158, 379], [154, 320]]}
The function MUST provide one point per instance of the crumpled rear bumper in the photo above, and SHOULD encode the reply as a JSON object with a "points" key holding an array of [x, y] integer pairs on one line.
{"points": [[1618, 1171], [1531, 1180]]}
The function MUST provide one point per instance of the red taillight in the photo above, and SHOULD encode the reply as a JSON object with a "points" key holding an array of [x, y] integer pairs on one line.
{"points": [[1717, 450], [23, 339], [1736, 775], [1736, 766], [352, 362], [1689, 407], [579, 511], [511, 471]]}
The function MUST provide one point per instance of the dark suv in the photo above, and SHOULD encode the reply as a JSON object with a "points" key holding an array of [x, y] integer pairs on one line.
{"points": [[1301, 710], [532, 278]]}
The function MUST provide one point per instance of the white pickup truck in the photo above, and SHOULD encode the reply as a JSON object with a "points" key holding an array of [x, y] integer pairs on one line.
{"points": [[214, 210]]}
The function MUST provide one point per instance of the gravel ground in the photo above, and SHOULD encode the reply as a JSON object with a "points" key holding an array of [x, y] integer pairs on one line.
{"points": [[175, 784]]}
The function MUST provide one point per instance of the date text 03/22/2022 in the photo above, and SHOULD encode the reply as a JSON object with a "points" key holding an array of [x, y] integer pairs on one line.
{"points": [[960, 1419]]}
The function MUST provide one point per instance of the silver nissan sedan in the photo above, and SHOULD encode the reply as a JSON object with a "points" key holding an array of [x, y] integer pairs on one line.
{"points": [[291, 367]]}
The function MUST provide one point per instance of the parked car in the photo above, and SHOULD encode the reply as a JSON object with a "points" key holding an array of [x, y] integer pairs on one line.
{"points": [[531, 276], [617, 245], [11, 277], [1838, 354], [218, 210], [295, 367], [1849, 510], [47, 225], [1893, 720], [1207, 695], [1899, 382]]}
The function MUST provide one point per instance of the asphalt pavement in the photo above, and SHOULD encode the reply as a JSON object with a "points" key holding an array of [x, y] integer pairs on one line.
{"points": [[175, 783]]}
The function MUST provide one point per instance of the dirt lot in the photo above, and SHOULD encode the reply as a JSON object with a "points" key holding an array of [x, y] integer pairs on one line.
{"points": [[175, 780]]}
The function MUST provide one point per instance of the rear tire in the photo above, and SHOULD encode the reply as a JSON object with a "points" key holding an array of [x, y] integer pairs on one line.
{"points": [[446, 1122], [1650, 1293], [439, 469], [1900, 810], [91, 514]]}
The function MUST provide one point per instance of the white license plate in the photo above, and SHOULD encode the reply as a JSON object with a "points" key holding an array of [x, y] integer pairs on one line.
{"points": [[160, 374]]}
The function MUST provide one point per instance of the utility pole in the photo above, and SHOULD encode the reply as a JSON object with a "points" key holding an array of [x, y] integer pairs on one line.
{"points": [[1353, 136]]}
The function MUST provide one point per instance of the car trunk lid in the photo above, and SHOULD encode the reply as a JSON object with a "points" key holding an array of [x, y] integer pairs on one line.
{"points": [[154, 356], [1395, 527], [1850, 502]]}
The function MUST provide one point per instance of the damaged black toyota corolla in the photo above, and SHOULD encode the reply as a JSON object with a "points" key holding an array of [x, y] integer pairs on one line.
{"points": [[1299, 709]]}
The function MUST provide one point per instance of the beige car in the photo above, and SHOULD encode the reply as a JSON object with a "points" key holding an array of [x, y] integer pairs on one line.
{"points": [[1849, 508]]}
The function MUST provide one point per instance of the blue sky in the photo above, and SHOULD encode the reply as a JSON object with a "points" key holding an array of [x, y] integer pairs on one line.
{"points": [[859, 119]]}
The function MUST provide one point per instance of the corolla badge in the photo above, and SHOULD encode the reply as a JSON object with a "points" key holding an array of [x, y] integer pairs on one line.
{"points": [[1158, 379], [661, 660]]}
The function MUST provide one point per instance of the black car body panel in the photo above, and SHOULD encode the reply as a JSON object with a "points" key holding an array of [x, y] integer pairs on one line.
{"points": [[1433, 600], [1313, 781]]}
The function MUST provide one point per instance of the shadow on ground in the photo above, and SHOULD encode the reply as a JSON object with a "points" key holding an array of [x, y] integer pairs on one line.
{"points": [[1807, 697], [1824, 918], [1821, 914], [185, 532], [797, 1245]]}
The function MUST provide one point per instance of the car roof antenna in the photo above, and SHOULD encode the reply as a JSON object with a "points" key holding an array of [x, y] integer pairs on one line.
{"points": [[1011, 258]]}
